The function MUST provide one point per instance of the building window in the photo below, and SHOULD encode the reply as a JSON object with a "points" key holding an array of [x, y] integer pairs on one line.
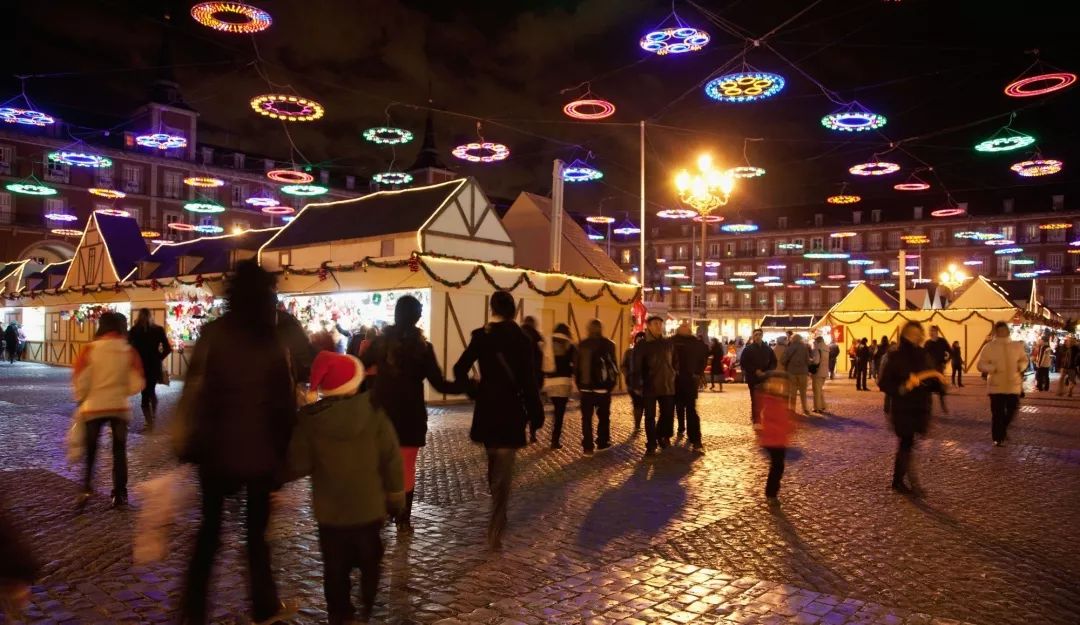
{"points": [[856, 217], [763, 247], [875, 216], [728, 298], [835, 268], [937, 236], [668, 252], [239, 192], [714, 299], [1053, 295], [207, 156], [172, 218], [797, 298], [797, 270], [172, 184], [626, 256], [894, 239], [1055, 260], [1031, 233], [727, 271], [1002, 265], [1056, 235], [781, 222], [856, 243], [685, 230], [132, 178], [836, 244], [778, 301], [817, 244], [747, 247], [935, 266], [834, 297], [1076, 296], [56, 205], [682, 252], [916, 212], [7, 159], [7, 214], [1057, 202], [815, 299], [1007, 205], [875, 241], [714, 250], [1009, 232], [819, 220], [745, 302], [56, 172]]}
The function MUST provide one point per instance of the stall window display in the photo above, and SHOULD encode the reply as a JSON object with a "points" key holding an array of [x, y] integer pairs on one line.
{"points": [[187, 309], [92, 312], [353, 310]]}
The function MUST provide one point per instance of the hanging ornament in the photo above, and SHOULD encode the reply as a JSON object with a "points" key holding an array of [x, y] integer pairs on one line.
{"points": [[150, 234], [674, 40], [483, 152], [1005, 140], [278, 210], [66, 232], [204, 207], [288, 108], [161, 141], [746, 86], [600, 219], [30, 188], [60, 216], [204, 181], [392, 178], [289, 176], [111, 194], [589, 108], [739, 228], [261, 202], [676, 213], [240, 19], [25, 117], [853, 118], [113, 212], [579, 171], [874, 168], [80, 159], [304, 189], [180, 226], [626, 229], [1038, 167], [1040, 84], [746, 171], [385, 135]]}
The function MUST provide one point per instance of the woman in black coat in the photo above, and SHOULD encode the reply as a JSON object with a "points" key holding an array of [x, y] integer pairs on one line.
{"points": [[404, 359], [507, 400], [909, 378], [149, 340]]}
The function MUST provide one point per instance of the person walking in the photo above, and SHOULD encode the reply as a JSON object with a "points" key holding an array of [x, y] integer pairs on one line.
{"points": [[691, 355], [637, 404], [404, 359], [779, 349], [153, 347], [939, 349], [507, 400], [956, 358], [1043, 359], [1070, 367], [11, 342], [852, 352], [879, 352], [834, 355], [756, 360], [775, 428], [654, 377], [107, 371], [909, 378], [528, 326], [863, 355], [716, 364], [1003, 361], [596, 376], [348, 447], [559, 358], [233, 422], [796, 362], [819, 359]]}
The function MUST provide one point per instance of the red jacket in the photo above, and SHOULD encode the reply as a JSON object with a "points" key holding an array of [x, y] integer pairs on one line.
{"points": [[775, 427]]}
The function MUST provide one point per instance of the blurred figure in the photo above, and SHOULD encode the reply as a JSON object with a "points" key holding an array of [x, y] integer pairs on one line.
{"points": [[938, 348], [596, 375], [819, 361], [233, 422], [295, 339], [1070, 367], [716, 365], [348, 447], [730, 362], [909, 377], [956, 357], [756, 360], [560, 356], [636, 401], [404, 359], [1043, 356], [507, 400], [863, 354], [11, 342], [879, 352], [654, 377], [796, 362], [834, 355], [19, 568], [107, 371], [1004, 361], [153, 347], [774, 427], [691, 355], [778, 351], [372, 370], [528, 326]]}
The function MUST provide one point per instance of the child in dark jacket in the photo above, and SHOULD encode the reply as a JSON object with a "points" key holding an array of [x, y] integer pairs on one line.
{"points": [[775, 428], [351, 452]]}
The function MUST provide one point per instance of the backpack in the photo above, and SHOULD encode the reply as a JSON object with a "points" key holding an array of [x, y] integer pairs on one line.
{"points": [[608, 371]]}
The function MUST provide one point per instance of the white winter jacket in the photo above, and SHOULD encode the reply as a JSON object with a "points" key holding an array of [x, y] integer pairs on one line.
{"points": [[1004, 362], [107, 372]]}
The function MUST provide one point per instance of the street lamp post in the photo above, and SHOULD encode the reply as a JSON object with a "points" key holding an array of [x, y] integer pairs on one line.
{"points": [[953, 278], [704, 191]]}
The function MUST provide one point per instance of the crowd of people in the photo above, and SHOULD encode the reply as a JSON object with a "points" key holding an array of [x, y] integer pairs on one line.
{"points": [[266, 403]]}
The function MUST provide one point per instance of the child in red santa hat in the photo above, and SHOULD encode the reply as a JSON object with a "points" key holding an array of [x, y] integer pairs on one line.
{"points": [[350, 450]]}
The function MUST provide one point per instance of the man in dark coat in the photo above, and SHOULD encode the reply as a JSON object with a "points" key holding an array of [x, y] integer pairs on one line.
{"points": [[11, 342], [654, 377], [834, 355], [691, 355], [507, 400], [863, 355], [596, 375], [528, 326], [940, 351], [756, 360], [149, 340]]}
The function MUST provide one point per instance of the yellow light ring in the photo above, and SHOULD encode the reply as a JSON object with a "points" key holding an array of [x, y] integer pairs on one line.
{"points": [[600, 219], [1055, 226], [254, 19], [150, 234], [204, 181], [111, 194], [289, 108], [67, 232], [843, 199]]}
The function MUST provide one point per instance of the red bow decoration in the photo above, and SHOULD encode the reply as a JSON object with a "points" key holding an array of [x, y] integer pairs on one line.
{"points": [[414, 263]]}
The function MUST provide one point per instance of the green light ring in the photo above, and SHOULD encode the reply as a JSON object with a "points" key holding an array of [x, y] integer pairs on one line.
{"points": [[385, 135], [304, 189], [1005, 144], [204, 207], [30, 189]]}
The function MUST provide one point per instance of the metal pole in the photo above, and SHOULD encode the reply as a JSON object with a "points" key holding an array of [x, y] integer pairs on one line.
{"points": [[556, 215], [704, 279], [903, 280], [693, 273], [641, 235]]}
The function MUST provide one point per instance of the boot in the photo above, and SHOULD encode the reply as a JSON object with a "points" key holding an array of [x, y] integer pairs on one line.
{"points": [[148, 417], [404, 520]]}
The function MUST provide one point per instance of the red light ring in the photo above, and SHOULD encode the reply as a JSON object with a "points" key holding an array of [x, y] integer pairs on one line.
{"points": [[278, 210], [573, 109], [1017, 89], [289, 176], [709, 219], [948, 212], [911, 186], [113, 212], [181, 226]]}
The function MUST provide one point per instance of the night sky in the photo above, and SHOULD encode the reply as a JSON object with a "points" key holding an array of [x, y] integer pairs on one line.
{"points": [[935, 69]]}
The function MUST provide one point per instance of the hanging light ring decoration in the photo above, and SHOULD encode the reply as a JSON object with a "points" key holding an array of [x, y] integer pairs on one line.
{"points": [[290, 176], [392, 177], [113, 212], [150, 234], [304, 189], [1005, 144], [842, 235], [1057, 225], [204, 207], [80, 159], [1038, 167], [676, 213], [874, 168], [204, 182], [827, 255], [1028, 87], [289, 108], [581, 172], [180, 226], [911, 186], [30, 189], [589, 109], [853, 121], [209, 229], [278, 210], [243, 19], [67, 232], [744, 86], [111, 194], [709, 219], [747, 171], [739, 228], [674, 40], [997, 242], [843, 199], [60, 217], [25, 117], [161, 141], [483, 152], [261, 202], [626, 230], [385, 135], [915, 239], [1007, 251], [952, 211], [790, 246], [599, 219]]}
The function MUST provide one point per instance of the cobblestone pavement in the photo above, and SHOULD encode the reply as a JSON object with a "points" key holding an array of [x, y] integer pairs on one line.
{"points": [[614, 539]]}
